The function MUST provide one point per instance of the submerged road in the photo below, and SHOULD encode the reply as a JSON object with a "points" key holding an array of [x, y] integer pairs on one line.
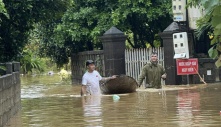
{"points": [[48, 103]]}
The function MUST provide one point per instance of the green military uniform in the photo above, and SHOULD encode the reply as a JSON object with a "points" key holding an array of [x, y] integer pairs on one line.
{"points": [[153, 73]]}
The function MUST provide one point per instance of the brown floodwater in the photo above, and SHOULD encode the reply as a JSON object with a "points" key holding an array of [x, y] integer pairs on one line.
{"points": [[46, 102]]}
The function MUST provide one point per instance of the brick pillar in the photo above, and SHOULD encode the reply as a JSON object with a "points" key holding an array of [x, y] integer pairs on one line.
{"points": [[114, 51]]}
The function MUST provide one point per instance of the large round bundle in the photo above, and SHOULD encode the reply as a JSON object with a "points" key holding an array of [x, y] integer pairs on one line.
{"points": [[121, 84]]}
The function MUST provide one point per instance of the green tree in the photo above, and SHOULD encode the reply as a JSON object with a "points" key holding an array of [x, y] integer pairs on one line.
{"points": [[70, 26], [29, 62], [211, 22], [85, 21], [79, 29], [143, 18], [2, 9], [22, 16]]}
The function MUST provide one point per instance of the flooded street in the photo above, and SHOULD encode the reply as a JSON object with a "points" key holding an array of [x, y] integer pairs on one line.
{"points": [[46, 102]]}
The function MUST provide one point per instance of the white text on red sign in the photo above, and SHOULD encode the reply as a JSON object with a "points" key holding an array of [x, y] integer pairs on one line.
{"points": [[187, 63], [187, 70]]}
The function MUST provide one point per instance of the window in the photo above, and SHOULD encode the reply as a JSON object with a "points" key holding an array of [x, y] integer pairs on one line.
{"points": [[181, 44], [181, 36], [175, 36], [174, 7], [175, 45], [179, 7]]}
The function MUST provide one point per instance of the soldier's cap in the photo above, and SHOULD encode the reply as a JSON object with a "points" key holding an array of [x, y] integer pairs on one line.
{"points": [[88, 62]]}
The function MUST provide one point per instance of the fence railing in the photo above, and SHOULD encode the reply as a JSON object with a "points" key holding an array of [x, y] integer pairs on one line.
{"points": [[135, 59], [78, 63]]}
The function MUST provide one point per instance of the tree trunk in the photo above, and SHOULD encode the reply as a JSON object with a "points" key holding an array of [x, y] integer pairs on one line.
{"points": [[135, 41]]}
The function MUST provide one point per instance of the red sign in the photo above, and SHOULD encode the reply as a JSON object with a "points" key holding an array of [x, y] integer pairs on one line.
{"points": [[187, 66]]}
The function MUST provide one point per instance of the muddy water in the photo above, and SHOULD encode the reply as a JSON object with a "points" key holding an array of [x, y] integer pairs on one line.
{"points": [[48, 103]]}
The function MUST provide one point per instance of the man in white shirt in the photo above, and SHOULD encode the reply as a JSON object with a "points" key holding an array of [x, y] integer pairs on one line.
{"points": [[90, 80]]}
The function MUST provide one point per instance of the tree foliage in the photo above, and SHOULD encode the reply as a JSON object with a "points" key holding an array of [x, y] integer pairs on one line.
{"points": [[85, 21], [21, 17], [29, 62], [63, 27], [211, 20], [143, 18], [2, 9]]}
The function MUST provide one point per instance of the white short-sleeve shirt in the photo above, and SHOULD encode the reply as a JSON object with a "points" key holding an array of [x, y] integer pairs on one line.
{"points": [[91, 80]]}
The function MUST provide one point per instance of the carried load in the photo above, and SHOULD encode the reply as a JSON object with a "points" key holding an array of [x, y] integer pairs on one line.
{"points": [[121, 84]]}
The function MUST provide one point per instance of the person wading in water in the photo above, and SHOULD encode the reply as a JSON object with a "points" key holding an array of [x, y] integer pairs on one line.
{"points": [[91, 79], [153, 72]]}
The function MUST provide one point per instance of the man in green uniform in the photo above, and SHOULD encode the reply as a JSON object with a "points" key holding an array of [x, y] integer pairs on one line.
{"points": [[153, 73]]}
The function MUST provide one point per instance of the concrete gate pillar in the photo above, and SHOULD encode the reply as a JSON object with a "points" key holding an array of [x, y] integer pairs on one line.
{"points": [[114, 51], [169, 61]]}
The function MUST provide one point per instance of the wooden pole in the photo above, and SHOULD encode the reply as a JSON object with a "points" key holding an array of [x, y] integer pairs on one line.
{"points": [[200, 76]]}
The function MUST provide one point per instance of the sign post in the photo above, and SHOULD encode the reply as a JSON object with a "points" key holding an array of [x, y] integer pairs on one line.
{"points": [[188, 79]]}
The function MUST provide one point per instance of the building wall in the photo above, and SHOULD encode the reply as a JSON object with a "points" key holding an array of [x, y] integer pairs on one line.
{"points": [[10, 93]]}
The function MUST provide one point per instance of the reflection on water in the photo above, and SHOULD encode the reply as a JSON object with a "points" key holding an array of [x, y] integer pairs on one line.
{"points": [[63, 107], [92, 111], [188, 107]]}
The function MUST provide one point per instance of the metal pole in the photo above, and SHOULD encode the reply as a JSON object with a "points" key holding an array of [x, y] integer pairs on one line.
{"points": [[187, 18], [188, 80]]}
